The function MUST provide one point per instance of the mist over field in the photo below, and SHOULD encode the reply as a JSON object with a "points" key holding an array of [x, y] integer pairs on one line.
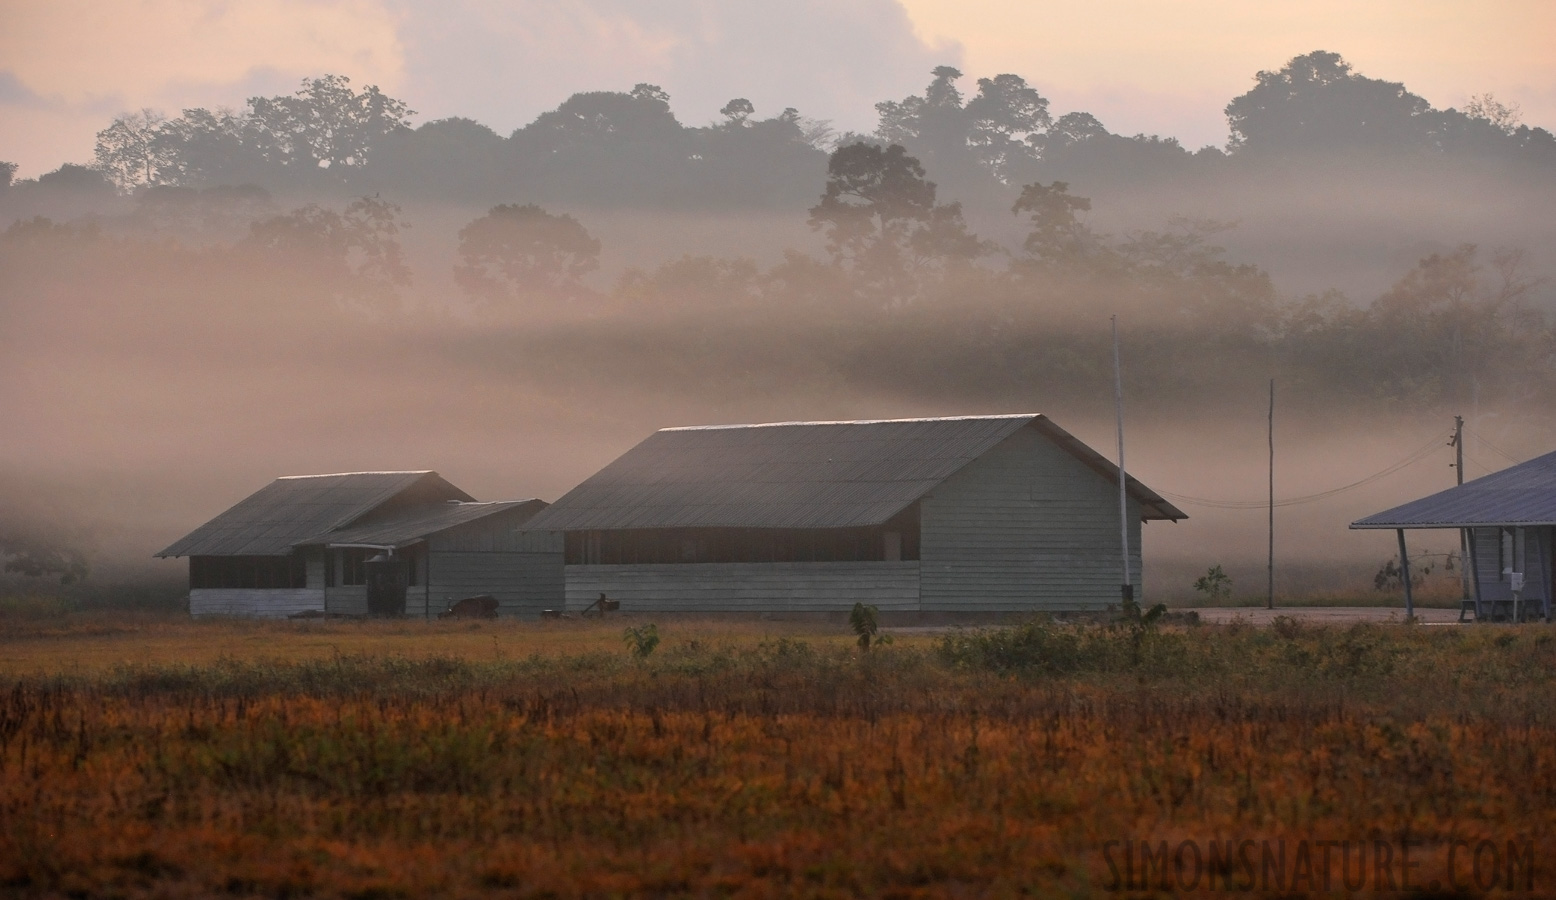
{"points": [[230, 296]]}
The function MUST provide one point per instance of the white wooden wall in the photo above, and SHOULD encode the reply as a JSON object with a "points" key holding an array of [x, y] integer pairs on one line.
{"points": [[747, 587], [1025, 527], [253, 602]]}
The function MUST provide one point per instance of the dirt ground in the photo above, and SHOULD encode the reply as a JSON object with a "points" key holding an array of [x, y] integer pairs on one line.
{"points": [[1324, 615]]}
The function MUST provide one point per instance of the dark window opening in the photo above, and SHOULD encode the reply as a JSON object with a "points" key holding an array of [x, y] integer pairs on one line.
{"points": [[352, 563], [412, 569], [248, 572], [897, 539]]}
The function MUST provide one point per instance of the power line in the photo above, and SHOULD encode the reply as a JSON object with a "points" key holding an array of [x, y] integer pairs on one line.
{"points": [[1421, 453], [1493, 447]]}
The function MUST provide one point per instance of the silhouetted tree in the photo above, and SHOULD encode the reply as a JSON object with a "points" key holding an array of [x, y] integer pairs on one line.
{"points": [[128, 151], [882, 223], [1057, 232], [523, 251], [992, 130], [1316, 103], [737, 111], [355, 253], [203, 147], [327, 124]]}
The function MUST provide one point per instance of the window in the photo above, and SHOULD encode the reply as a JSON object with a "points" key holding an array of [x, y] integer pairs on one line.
{"points": [[248, 572], [353, 565]]}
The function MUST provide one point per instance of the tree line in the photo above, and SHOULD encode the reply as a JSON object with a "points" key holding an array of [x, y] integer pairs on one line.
{"points": [[629, 149]]}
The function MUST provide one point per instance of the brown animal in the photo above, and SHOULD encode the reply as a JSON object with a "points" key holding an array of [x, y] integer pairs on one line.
{"points": [[483, 606]]}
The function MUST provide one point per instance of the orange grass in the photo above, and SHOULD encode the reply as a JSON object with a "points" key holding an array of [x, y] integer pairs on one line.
{"points": [[766, 768], [99, 641]]}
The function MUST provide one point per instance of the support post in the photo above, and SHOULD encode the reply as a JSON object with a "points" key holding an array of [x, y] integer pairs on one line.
{"points": [[1127, 592], [1464, 534], [1474, 569], [1404, 575], [1271, 566]]}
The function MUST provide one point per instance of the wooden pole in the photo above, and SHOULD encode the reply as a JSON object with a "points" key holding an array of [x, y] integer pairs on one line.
{"points": [[1404, 575], [1270, 571], [1464, 534], [1127, 591]]}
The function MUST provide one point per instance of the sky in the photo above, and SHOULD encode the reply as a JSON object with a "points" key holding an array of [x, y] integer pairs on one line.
{"points": [[67, 67]]}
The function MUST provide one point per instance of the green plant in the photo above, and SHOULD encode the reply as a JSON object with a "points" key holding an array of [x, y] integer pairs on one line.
{"points": [[642, 640], [1215, 584], [1137, 624], [865, 621]]}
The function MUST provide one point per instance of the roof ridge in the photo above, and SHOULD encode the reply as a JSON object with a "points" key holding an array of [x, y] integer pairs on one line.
{"points": [[341, 474], [857, 422]]}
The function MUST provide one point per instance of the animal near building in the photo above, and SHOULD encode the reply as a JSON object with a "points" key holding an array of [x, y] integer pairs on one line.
{"points": [[1509, 518], [972, 514], [303, 544]]}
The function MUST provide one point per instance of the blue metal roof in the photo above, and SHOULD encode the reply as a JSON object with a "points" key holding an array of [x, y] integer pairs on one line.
{"points": [[1524, 494]]}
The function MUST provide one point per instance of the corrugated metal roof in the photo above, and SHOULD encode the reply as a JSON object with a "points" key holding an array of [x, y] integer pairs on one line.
{"points": [[275, 518], [1524, 494], [415, 524], [796, 474]]}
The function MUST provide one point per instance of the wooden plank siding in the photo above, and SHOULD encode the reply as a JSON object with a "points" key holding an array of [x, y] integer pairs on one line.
{"points": [[523, 583], [272, 603], [1533, 559], [346, 600], [1026, 526], [747, 587], [494, 555]]}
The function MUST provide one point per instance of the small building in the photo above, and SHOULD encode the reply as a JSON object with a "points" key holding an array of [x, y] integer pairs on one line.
{"points": [[301, 544], [956, 515], [1509, 518]]}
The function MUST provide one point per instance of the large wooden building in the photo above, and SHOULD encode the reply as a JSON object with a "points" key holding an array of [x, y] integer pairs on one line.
{"points": [[1510, 520], [301, 544], [957, 515]]}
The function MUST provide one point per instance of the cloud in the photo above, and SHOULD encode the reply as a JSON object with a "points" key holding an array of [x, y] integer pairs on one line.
{"points": [[505, 62], [73, 64], [133, 50]]}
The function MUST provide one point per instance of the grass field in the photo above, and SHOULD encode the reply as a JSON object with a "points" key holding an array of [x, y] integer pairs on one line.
{"points": [[155, 756]]}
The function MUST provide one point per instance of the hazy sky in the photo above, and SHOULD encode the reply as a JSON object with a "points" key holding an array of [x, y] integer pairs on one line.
{"points": [[68, 66]]}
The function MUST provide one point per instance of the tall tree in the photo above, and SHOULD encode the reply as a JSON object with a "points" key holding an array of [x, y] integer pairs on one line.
{"points": [[328, 124], [883, 224], [517, 252], [1057, 233], [354, 254], [128, 151], [1316, 102]]}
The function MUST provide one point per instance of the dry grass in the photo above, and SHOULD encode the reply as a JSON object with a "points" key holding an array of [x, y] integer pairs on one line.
{"points": [[748, 759], [96, 642]]}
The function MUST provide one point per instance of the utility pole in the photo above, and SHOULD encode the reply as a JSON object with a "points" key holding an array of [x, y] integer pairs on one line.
{"points": [[1128, 590], [1458, 469], [1271, 567]]}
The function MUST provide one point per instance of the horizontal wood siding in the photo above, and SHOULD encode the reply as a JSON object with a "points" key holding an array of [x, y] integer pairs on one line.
{"points": [[1026, 526], [347, 601], [270, 604], [523, 583], [1534, 559], [500, 533], [747, 587]]}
